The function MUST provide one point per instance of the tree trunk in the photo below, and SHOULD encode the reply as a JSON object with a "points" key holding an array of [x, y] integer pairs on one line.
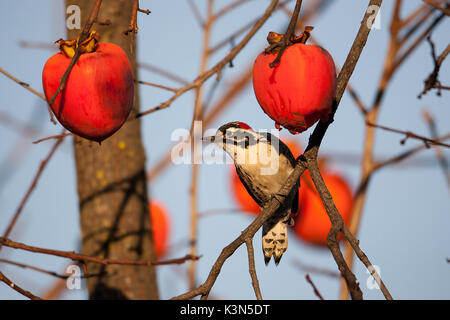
{"points": [[112, 188]]}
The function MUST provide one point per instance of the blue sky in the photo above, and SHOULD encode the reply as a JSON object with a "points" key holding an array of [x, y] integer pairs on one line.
{"points": [[405, 224]]}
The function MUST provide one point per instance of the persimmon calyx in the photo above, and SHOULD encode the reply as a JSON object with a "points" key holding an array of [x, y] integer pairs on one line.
{"points": [[69, 47], [276, 40]]}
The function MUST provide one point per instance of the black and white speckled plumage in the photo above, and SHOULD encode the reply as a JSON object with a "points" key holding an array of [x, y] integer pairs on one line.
{"points": [[238, 139]]}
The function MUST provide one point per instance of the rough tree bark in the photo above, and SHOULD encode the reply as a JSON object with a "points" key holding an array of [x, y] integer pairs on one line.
{"points": [[112, 185]]}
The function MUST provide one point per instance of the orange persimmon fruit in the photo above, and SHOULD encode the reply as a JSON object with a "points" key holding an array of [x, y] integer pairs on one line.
{"points": [[312, 224], [99, 92], [299, 90], [160, 225]]}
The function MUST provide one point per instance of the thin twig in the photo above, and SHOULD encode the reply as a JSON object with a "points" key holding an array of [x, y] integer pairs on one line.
{"points": [[38, 45], [290, 31], [85, 258], [15, 287], [156, 85], [409, 134], [132, 27], [31, 188], [21, 127], [197, 116], [83, 36], [407, 52], [163, 73], [315, 270], [212, 212], [66, 134], [432, 3], [437, 150], [197, 14], [242, 29], [23, 84], [252, 269], [316, 292], [402, 156], [432, 81], [27, 86], [228, 8], [50, 273]]}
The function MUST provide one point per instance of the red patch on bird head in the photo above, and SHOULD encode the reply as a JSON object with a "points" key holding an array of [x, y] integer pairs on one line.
{"points": [[244, 125]]}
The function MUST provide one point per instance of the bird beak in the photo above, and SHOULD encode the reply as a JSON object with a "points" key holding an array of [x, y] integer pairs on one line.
{"points": [[209, 139]]}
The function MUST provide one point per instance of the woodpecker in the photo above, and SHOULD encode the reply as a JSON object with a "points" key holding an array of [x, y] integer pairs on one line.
{"points": [[263, 163]]}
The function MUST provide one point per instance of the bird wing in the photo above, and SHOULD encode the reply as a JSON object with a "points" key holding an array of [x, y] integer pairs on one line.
{"points": [[252, 188]]}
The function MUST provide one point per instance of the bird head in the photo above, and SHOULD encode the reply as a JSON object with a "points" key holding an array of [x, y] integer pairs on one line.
{"points": [[235, 138]]}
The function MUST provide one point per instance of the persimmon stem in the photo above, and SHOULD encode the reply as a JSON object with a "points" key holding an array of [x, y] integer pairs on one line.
{"points": [[83, 36], [286, 41]]}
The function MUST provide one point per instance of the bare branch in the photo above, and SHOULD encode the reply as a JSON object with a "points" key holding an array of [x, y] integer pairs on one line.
{"points": [[402, 156], [288, 34], [66, 134], [163, 73], [228, 8], [155, 85], [26, 266], [85, 258], [252, 269], [196, 116], [27, 86], [432, 82], [438, 151], [316, 292], [445, 10], [15, 287], [315, 270], [31, 188], [409, 134], [197, 14], [83, 36]]}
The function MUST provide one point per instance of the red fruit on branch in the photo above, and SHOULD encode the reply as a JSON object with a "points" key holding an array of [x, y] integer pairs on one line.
{"points": [[299, 90], [99, 92], [160, 226], [312, 224]]}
